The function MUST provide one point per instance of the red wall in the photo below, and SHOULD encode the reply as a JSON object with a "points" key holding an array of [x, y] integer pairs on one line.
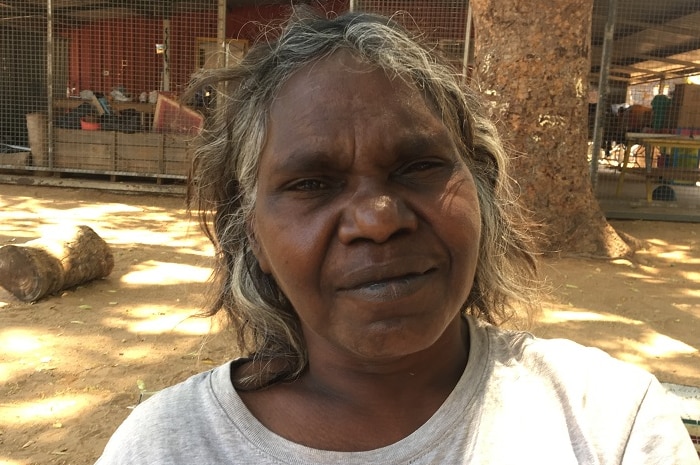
{"points": [[121, 52]]}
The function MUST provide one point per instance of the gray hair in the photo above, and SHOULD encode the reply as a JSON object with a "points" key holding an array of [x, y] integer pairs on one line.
{"points": [[224, 179]]}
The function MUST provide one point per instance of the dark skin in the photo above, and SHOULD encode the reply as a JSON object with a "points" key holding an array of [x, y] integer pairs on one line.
{"points": [[334, 407], [368, 220]]}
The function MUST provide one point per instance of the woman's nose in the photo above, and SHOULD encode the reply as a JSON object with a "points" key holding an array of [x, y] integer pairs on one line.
{"points": [[376, 217]]}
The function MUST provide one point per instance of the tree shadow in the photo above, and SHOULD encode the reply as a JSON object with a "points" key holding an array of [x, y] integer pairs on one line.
{"points": [[645, 310], [73, 364]]}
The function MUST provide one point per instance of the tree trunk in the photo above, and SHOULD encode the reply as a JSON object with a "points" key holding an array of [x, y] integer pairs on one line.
{"points": [[64, 259], [532, 62]]}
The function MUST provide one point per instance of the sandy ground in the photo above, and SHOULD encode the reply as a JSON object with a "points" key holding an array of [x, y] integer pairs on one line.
{"points": [[72, 365]]}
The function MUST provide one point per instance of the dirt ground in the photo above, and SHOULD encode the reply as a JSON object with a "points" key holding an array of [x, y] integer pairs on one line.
{"points": [[72, 365]]}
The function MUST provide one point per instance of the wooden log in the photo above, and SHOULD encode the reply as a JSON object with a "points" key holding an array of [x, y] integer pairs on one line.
{"points": [[60, 260]]}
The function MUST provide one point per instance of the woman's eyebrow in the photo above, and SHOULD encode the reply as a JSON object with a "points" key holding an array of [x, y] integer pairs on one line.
{"points": [[422, 143], [410, 144], [305, 160]]}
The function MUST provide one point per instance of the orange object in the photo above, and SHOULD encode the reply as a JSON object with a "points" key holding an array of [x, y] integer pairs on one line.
{"points": [[172, 117], [89, 124]]}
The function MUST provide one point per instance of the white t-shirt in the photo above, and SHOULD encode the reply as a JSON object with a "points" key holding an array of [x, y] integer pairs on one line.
{"points": [[520, 401]]}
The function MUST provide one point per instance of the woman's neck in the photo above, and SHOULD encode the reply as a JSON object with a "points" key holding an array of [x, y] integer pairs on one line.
{"points": [[374, 404]]}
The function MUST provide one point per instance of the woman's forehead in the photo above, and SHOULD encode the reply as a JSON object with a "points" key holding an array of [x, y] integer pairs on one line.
{"points": [[341, 68], [342, 83]]}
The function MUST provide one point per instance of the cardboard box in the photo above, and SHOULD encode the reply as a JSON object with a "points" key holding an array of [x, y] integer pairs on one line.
{"points": [[685, 106]]}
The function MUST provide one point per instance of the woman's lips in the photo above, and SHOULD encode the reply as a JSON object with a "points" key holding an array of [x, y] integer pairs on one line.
{"points": [[383, 286]]}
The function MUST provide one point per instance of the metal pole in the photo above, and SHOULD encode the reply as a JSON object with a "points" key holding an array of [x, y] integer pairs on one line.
{"points": [[352, 5], [603, 89], [49, 82], [221, 28], [165, 83], [467, 43], [662, 84], [222, 59]]}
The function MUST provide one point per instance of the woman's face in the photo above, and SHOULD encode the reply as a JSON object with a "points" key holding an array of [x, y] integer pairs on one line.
{"points": [[366, 216]]}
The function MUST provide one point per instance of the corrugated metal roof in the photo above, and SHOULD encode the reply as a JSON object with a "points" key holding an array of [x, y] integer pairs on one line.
{"points": [[653, 39]]}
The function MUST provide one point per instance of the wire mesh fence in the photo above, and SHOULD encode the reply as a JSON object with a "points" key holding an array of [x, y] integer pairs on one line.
{"points": [[650, 106], [443, 24], [93, 87]]}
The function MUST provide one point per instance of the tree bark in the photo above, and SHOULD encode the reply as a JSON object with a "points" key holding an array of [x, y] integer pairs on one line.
{"points": [[66, 258], [532, 62]]}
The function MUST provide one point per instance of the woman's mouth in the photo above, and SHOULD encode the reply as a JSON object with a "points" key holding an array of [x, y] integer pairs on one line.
{"points": [[389, 288]]}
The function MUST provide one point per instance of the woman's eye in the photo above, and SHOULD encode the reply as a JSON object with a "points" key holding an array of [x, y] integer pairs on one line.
{"points": [[422, 166], [308, 185]]}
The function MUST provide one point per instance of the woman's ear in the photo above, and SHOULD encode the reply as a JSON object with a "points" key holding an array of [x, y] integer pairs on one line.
{"points": [[257, 249]]}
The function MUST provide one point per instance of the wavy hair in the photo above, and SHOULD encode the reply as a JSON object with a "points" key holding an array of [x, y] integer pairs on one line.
{"points": [[222, 185]]}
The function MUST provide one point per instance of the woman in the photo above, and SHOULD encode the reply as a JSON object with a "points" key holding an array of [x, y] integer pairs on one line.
{"points": [[367, 246]]}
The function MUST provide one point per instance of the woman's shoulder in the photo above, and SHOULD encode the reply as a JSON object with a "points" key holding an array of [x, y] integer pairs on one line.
{"points": [[606, 407], [564, 362], [191, 389], [169, 418]]}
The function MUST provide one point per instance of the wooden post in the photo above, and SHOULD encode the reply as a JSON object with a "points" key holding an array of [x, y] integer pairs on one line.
{"points": [[61, 260], [38, 138]]}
